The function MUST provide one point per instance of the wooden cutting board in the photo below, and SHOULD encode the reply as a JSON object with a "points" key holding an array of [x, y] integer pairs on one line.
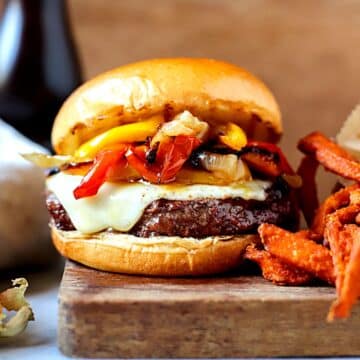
{"points": [[105, 315]]}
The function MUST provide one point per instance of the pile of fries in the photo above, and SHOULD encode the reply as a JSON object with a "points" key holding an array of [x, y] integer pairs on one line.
{"points": [[330, 249]]}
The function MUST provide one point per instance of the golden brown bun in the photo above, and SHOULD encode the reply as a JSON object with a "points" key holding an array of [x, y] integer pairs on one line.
{"points": [[212, 90], [159, 256]]}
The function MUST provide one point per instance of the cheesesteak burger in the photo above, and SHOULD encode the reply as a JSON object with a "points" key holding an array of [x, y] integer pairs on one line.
{"points": [[167, 168]]}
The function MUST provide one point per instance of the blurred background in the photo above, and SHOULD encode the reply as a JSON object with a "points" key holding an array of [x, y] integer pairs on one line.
{"points": [[306, 51]]}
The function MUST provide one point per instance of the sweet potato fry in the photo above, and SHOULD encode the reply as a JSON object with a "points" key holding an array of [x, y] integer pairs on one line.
{"points": [[298, 251], [330, 155], [355, 195], [343, 234], [316, 140], [309, 234], [350, 290], [307, 194], [331, 204], [340, 245], [276, 270], [340, 239], [346, 215]]}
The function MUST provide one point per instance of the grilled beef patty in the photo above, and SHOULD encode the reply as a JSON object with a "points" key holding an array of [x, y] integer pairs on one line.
{"points": [[59, 215], [205, 217]]}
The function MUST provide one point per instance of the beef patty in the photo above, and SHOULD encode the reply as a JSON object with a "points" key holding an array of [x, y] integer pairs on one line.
{"points": [[204, 217], [59, 215]]}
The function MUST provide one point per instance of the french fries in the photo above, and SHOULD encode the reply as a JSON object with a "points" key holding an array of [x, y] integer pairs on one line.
{"points": [[276, 270], [307, 194], [334, 202], [330, 155], [298, 251], [350, 288], [330, 249], [343, 235], [340, 243]]}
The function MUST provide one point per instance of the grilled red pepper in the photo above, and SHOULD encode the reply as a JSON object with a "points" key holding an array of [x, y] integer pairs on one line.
{"points": [[266, 158], [170, 157], [137, 160], [173, 155], [97, 175]]}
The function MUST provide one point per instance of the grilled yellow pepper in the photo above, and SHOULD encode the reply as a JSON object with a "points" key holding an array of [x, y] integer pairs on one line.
{"points": [[127, 133], [233, 136]]}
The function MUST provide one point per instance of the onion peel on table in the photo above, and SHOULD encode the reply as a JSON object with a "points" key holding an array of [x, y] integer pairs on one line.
{"points": [[13, 299]]}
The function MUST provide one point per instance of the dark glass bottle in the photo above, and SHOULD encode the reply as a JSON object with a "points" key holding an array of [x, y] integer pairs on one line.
{"points": [[39, 66]]}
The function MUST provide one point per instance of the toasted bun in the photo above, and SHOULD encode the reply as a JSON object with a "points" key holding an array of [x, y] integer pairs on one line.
{"points": [[212, 90], [160, 256]]}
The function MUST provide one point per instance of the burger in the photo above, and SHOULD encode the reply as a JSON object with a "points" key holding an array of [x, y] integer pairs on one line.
{"points": [[167, 167]]}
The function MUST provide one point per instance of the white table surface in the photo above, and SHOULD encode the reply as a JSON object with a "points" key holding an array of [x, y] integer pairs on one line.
{"points": [[38, 342]]}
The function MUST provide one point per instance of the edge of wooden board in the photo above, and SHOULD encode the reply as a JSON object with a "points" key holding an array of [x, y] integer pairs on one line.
{"points": [[106, 315]]}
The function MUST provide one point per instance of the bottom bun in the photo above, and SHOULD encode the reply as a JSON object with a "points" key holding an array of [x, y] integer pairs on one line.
{"points": [[158, 256]]}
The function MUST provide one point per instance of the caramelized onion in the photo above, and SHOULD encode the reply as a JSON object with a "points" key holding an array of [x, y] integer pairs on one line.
{"points": [[49, 161], [183, 124], [192, 176], [228, 167]]}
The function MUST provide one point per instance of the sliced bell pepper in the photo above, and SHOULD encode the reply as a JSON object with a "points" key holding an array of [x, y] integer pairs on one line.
{"points": [[233, 136], [283, 163], [111, 162], [97, 175], [262, 164], [174, 154], [272, 162], [127, 133], [136, 159], [170, 158]]}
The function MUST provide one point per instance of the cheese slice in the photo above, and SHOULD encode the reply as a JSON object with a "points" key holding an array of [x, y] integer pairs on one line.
{"points": [[120, 205]]}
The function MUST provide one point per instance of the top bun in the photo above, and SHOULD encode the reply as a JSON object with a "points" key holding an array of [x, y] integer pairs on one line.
{"points": [[214, 91]]}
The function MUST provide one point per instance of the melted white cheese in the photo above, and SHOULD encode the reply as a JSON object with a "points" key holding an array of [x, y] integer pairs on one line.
{"points": [[120, 205]]}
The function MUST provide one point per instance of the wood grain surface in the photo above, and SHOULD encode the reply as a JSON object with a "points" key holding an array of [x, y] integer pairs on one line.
{"points": [[106, 315]]}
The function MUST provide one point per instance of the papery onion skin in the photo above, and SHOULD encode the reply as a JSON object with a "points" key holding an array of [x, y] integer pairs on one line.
{"points": [[13, 299]]}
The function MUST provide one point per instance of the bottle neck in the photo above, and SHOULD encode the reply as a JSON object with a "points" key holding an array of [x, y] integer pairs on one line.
{"points": [[28, 5], [36, 8]]}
